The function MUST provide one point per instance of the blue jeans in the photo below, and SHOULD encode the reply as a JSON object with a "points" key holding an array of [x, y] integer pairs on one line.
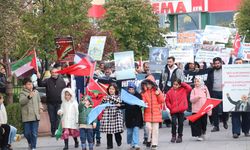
{"points": [[30, 132], [12, 134], [97, 133], [145, 132], [240, 120], [87, 134], [133, 136]]}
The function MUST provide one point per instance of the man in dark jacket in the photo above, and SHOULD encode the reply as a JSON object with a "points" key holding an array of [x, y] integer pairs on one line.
{"points": [[169, 74], [54, 86], [214, 84]]}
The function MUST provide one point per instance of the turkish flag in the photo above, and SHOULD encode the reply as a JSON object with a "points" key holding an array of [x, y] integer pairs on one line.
{"points": [[236, 44], [83, 68], [208, 106], [95, 86]]}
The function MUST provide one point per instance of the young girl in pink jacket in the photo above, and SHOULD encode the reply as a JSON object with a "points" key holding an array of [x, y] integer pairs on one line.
{"points": [[198, 98]]}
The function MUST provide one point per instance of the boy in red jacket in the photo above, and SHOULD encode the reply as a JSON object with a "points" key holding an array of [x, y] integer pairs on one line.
{"points": [[176, 101]]}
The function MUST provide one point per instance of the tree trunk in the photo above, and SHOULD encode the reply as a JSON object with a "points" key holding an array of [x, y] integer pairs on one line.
{"points": [[9, 86]]}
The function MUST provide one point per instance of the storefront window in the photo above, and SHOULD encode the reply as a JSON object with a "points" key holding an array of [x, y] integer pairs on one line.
{"points": [[221, 19], [189, 21]]}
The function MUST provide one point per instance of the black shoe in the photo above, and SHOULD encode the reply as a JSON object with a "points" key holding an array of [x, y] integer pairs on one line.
{"points": [[173, 139], [110, 147], [225, 125], [98, 142], [247, 134], [235, 136], [179, 139], [76, 144], [154, 147], [119, 144], [148, 144], [145, 141], [66, 147], [215, 129]]}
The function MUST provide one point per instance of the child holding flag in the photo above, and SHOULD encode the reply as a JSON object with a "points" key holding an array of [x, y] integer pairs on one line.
{"points": [[86, 130], [176, 101], [96, 97], [133, 119], [69, 113], [153, 97], [198, 98], [112, 119]]}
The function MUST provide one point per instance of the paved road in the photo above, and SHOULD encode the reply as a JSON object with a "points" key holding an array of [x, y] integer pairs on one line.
{"points": [[214, 141]]}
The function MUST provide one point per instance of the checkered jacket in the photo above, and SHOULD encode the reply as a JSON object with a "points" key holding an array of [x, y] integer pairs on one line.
{"points": [[112, 118]]}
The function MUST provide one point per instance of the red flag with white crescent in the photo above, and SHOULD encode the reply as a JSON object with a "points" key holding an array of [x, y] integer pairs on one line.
{"points": [[208, 106]]}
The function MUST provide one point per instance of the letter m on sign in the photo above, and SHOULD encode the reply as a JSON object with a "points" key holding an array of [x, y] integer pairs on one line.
{"points": [[198, 5]]}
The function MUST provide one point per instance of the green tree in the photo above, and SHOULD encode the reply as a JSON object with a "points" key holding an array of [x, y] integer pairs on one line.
{"points": [[9, 26], [48, 19], [243, 19], [133, 24]]}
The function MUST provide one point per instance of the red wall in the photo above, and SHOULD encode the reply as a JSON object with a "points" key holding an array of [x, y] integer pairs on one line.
{"points": [[223, 5]]}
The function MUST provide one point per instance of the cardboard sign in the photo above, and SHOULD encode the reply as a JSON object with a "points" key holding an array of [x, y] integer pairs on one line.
{"points": [[236, 89], [124, 65], [96, 47], [206, 56], [157, 58], [65, 49], [216, 34], [182, 56]]}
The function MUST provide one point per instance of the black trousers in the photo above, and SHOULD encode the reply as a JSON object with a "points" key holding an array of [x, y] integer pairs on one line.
{"points": [[199, 127], [180, 118], [53, 117], [217, 112], [118, 139], [5, 137]]}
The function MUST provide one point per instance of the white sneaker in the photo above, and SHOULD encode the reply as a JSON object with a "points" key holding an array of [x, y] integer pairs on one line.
{"points": [[199, 138]]}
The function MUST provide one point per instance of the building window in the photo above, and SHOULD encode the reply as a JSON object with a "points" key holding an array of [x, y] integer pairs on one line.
{"points": [[221, 19], [189, 21]]}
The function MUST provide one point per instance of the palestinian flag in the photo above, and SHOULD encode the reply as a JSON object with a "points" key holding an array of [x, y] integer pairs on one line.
{"points": [[25, 64]]}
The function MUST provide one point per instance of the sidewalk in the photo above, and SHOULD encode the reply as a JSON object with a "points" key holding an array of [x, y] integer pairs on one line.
{"points": [[219, 140]]}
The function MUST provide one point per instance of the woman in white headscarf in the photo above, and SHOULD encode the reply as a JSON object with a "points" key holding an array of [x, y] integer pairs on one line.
{"points": [[198, 98]]}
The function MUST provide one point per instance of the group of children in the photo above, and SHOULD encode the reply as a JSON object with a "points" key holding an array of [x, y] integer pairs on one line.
{"points": [[74, 116], [111, 121]]}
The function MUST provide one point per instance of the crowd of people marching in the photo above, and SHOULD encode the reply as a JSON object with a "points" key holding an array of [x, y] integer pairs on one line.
{"points": [[171, 92]]}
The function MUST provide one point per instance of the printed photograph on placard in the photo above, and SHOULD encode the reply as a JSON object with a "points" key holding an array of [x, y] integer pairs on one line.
{"points": [[96, 47], [124, 65], [236, 87], [157, 58]]}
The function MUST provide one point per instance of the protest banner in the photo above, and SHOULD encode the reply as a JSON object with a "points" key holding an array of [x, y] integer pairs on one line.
{"points": [[96, 47], [65, 49], [190, 75], [182, 56], [157, 58], [245, 49], [236, 87], [225, 54], [186, 37], [206, 56], [124, 65], [216, 34]]}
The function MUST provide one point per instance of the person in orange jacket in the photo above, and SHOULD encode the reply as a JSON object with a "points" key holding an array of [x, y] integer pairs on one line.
{"points": [[154, 98], [176, 101]]}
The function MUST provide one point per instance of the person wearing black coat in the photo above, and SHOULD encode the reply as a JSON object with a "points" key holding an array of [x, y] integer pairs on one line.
{"points": [[133, 119], [54, 86]]}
